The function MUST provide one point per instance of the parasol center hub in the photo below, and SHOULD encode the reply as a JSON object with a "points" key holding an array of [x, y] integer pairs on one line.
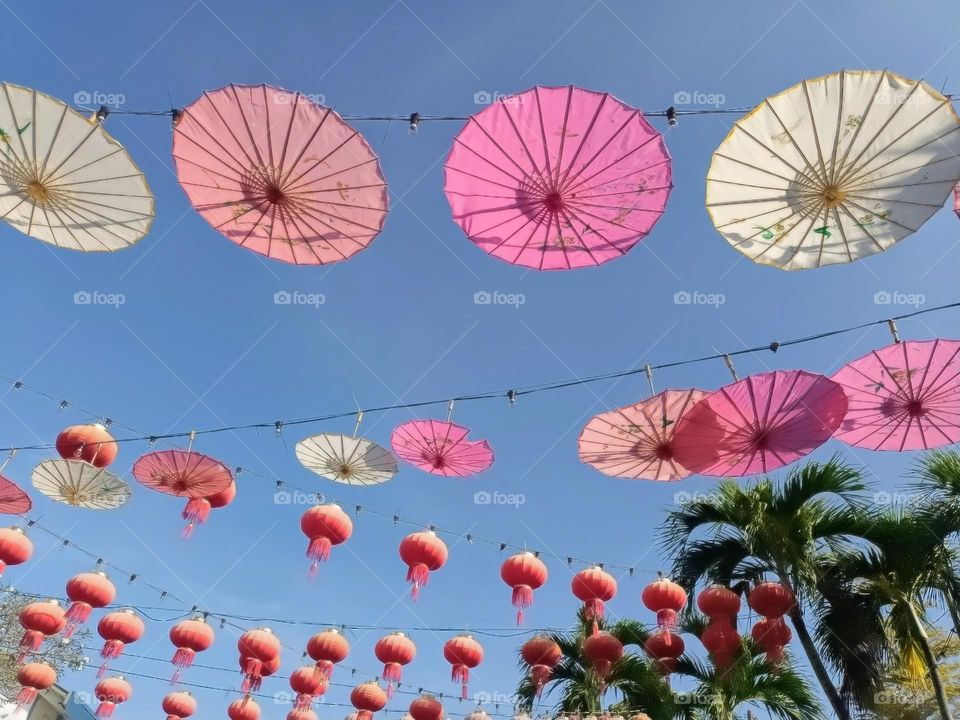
{"points": [[274, 194], [553, 201], [37, 191], [664, 451], [833, 196], [915, 408]]}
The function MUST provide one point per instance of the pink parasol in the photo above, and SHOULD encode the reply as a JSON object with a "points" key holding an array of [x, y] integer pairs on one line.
{"points": [[956, 199], [183, 473], [637, 441], [905, 396], [441, 448], [557, 178], [760, 423], [279, 174], [13, 500]]}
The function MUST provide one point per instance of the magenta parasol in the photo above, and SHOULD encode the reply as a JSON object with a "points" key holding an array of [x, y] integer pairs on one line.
{"points": [[637, 441], [13, 500], [759, 424], [184, 473], [905, 396], [280, 175], [558, 178], [441, 448]]}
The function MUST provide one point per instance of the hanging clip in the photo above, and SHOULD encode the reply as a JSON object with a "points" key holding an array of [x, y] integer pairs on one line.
{"points": [[175, 116], [512, 397], [729, 362], [414, 123], [193, 436], [893, 330], [63, 405], [672, 119], [100, 115], [356, 428], [9, 457], [648, 371], [450, 410]]}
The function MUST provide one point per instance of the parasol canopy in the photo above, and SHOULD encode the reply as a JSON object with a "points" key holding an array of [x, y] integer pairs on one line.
{"points": [[280, 175], [64, 180], [345, 459], [80, 484], [759, 424], [441, 448], [13, 500], [637, 441], [184, 473], [558, 178], [905, 396], [834, 169], [956, 200]]}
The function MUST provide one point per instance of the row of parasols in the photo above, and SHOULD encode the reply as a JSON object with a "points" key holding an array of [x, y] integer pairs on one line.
{"points": [[260, 650], [905, 396], [831, 170]]}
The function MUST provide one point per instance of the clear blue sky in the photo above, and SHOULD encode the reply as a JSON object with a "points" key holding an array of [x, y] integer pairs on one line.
{"points": [[199, 341]]}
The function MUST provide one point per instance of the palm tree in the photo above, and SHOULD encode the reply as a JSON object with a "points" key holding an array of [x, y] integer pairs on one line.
{"points": [[785, 530], [639, 687]]}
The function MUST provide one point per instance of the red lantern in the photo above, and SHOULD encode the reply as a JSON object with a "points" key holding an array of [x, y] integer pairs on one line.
{"points": [[423, 552], [243, 709], [524, 572], [721, 640], [368, 699], [542, 654], [773, 635], [189, 637], [257, 648], [771, 600], [302, 714], [666, 599], [197, 511], [326, 526], [426, 707], [118, 629], [307, 683], [86, 592], [90, 443], [394, 651], [603, 650], [594, 587], [34, 678], [719, 601], [328, 648], [15, 548], [111, 692], [179, 705], [40, 620], [463, 653], [665, 648]]}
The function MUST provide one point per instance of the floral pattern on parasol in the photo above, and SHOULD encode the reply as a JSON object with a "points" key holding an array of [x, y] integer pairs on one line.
{"points": [[441, 448], [80, 484], [345, 459]]}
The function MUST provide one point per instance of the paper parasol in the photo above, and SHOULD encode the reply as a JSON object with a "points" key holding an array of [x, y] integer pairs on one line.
{"points": [[557, 178], [956, 200], [64, 180], [345, 459], [13, 500], [758, 424], [441, 448], [80, 484], [834, 169], [636, 441], [905, 396], [279, 174], [183, 473]]}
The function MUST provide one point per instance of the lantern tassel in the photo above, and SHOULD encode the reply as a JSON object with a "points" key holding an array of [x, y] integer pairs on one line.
{"points": [[106, 709], [461, 674], [318, 551], [112, 649], [540, 674], [30, 643], [303, 702], [522, 599], [324, 668], [252, 675], [26, 696], [392, 673], [3, 568], [102, 672], [775, 654], [77, 615], [417, 575], [667, 619]]}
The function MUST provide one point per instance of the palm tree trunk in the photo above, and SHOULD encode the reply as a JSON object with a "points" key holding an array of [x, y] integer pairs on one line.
{"points": [[927, 651], [813, 656]]}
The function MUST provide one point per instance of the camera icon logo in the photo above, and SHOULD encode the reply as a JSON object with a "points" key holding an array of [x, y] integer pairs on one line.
{"points": [[482, 497], [682, 297], [282, 297], [482, 97], [82, 297], [482, 298]]}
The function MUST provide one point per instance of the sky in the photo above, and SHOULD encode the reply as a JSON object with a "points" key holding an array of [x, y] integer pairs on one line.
{"points": [[198, 340]]}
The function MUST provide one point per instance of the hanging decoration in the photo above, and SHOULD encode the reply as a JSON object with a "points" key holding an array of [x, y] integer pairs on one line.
{"points": [[15, 548], [603, 650], [834, 169], [40, 620], [666, 599], [637, 441], [719, 601], [179, 705], [666, 648], [368, 699], [773, 635], [326, 649], [905, 396], [111, 692], [197, 512], [759, 424], [86, 592], [80, 484], [721, 640], [13, 500], [347, 460], [557, 178], [423, 552], [441, 448], [118, 629], [771, 600], [426, 707], [245, 708], [325, 526], [308, 190], [33, 678], [189, 637], [307, 684], [464, 654], [91, 443], [524, 572], [257, 648], [301, 714], [594, 587], [64, 180], [541, 653], [394, 651]]}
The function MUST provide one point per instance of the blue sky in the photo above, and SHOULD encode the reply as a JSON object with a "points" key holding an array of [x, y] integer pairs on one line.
{"points": [[199, 341]]}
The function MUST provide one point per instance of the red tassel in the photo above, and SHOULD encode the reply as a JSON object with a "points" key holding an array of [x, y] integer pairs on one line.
{"points": [[183, 658], [392, 674], [540, 674], [77, 615], [667, 619], [775, 654], [364, 715], [417, 575], [318, 551], [522, 599], [252, 675], [102, 672], [106, 709], [30, 643], [303, 702], [324, 669], [461, 674], [3, 568], [197, 511], [26, 696], [594, 608], [112, 649]]}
